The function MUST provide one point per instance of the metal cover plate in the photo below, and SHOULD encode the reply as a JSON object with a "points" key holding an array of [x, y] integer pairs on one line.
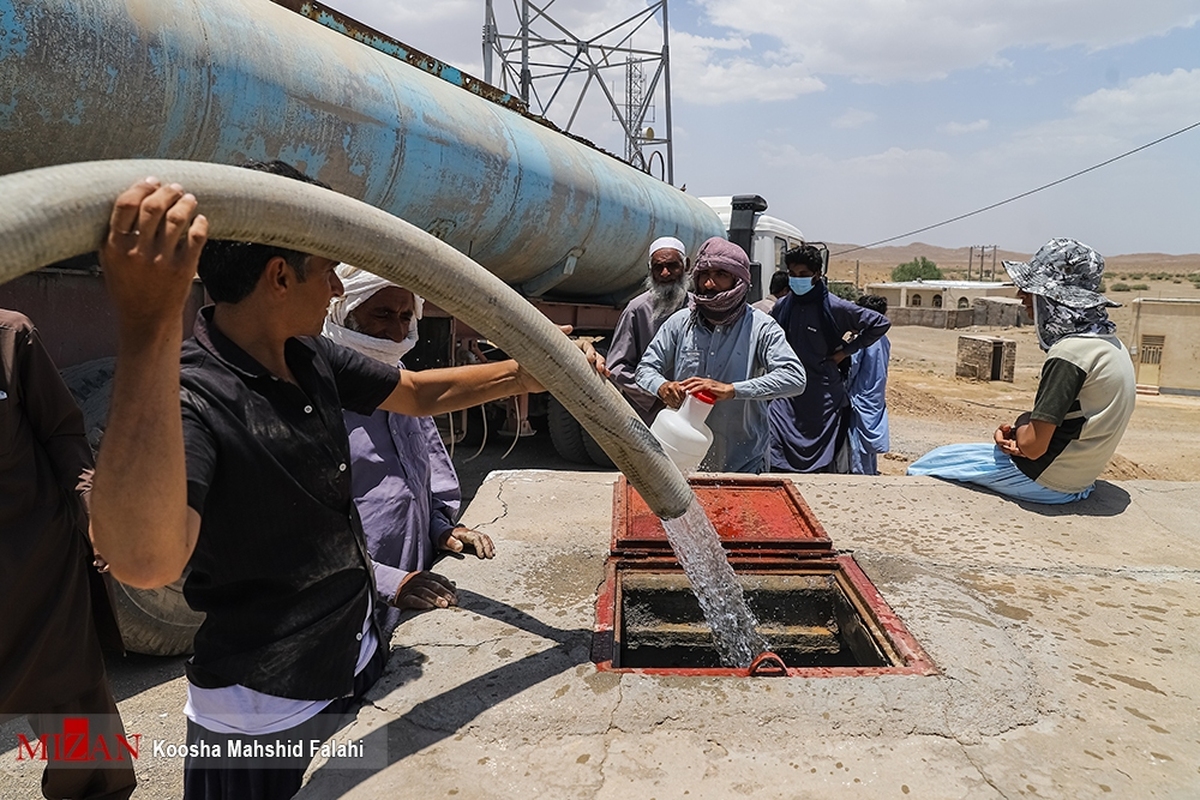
{"points": [[754, 516]]}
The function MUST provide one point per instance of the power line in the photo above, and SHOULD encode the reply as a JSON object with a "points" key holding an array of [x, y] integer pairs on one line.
{"points": [[1022, 194]]}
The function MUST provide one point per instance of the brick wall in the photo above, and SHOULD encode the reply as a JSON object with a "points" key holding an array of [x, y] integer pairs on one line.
{"points": [[998, 312], [975, 355], [932, 317]]}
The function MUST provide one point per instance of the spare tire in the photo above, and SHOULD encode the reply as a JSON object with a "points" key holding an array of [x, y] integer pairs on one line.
{"points": [[155, 622], [91, 385]]}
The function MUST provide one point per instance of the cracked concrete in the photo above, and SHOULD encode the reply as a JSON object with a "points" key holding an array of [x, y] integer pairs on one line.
{"points": [[1067, 641]]}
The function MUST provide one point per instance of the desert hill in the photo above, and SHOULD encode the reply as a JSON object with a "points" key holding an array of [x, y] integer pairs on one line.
{"points": [[875, 263]]}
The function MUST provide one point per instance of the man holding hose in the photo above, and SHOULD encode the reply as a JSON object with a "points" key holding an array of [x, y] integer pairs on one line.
{"points": [[234, 459]]}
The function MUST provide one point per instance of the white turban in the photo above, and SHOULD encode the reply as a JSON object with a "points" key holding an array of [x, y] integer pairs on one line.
{"points": [[358, 286], [667, 243]]}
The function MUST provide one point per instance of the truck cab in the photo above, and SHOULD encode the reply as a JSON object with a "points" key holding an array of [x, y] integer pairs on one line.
{"points": [[768, 237]]}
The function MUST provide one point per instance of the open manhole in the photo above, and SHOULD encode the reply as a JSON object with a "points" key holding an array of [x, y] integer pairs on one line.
{"points": [[818, 610]]}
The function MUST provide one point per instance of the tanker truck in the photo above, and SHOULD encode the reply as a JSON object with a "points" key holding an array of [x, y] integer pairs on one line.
{"points": [[564, 223]]}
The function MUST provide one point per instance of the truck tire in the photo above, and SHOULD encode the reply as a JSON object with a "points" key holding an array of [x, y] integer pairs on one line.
{"points": [[595, 452], [566, 433], [155, 622]]}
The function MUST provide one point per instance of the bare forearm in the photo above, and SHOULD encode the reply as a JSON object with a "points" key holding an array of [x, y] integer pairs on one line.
{"points": [[139, 498], [1027, 441], [437, 391]]}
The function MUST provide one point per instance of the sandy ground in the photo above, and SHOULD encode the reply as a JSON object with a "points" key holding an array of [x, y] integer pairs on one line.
{"points": [[929, 406]]}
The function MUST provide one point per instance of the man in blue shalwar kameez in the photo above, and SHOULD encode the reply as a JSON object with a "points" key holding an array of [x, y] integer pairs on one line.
{"points": [[723, 346], [810, 432], [867, 387]]}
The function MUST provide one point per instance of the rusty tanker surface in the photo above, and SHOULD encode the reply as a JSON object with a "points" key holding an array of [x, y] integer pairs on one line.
{"points": [[564, 223], [227, 80]]}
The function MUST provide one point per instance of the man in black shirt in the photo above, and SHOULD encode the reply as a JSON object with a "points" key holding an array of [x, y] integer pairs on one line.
{"points": [[237, 463]]}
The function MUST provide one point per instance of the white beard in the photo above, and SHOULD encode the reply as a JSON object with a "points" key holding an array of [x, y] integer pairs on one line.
{"points": [[666, 298]]}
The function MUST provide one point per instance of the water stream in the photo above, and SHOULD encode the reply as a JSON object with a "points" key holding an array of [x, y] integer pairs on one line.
{"points": [[699, 551]]}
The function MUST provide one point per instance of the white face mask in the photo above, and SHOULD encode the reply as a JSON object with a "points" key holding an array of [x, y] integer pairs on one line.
{"points": [[384, 350], [410, 341]]}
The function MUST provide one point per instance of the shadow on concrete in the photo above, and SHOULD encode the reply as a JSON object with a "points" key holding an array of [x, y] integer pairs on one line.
{"points": [[443, 715], [535, 452], [1106, 500], [134, 673]]}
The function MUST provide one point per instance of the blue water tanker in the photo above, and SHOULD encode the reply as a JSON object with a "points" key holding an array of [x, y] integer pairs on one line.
{"points": [[230, 80]]}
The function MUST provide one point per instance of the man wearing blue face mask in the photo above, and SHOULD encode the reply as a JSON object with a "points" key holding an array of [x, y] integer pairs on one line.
{"points": [[809, 432]]}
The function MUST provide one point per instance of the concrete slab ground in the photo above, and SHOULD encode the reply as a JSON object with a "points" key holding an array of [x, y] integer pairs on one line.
{"points": [[1068, 641]]}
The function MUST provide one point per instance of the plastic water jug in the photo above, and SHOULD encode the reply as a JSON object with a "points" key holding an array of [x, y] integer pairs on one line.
{"points": [[683, 435]]}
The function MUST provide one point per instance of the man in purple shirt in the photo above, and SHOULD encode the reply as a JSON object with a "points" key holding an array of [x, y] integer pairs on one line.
{"points": [[404, 484]]}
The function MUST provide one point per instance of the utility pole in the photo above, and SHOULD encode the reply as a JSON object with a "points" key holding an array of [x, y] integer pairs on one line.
{"points": [[489, 40], [983, 248], [526, 77]]}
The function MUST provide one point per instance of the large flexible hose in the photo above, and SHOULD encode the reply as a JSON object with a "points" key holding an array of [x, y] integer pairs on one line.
{"points": [[49, 214]]}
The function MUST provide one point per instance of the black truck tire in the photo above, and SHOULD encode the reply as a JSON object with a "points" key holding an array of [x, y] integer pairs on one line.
{"points": [[566, 433], [595, 452], [155, 622]]}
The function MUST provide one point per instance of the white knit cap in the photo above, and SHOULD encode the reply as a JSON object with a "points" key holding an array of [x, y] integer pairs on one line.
{"points": [[668, 243]]}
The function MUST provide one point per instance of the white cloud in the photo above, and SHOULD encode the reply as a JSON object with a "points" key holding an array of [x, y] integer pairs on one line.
{"points": [[959, 128], [928, 39], [1106, 122], [854, 118], [1148, 103], [710, 71], [895, 162], [867, 40]]}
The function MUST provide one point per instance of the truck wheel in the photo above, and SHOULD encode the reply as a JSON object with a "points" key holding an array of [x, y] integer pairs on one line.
{"points": [[566, 433], [91, 385], [156, 622], [595, 452]]}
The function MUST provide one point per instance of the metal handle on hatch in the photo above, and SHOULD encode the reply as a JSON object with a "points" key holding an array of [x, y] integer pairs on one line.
{"points": [[768, 665]]}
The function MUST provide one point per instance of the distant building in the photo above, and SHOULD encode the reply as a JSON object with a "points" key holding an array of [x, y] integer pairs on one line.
{"points": [[940, 294], [950, 304], [1166, 345]]}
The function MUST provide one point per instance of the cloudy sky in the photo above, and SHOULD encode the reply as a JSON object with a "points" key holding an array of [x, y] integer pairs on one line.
{"points": [[859, 120]]}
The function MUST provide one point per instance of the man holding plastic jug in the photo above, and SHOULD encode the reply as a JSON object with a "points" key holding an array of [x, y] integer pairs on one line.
{"points": [[737, 354]]}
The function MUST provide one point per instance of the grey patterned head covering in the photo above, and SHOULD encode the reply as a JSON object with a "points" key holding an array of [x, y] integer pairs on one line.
{"points": [[1063, 278], [1065, 271]]}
